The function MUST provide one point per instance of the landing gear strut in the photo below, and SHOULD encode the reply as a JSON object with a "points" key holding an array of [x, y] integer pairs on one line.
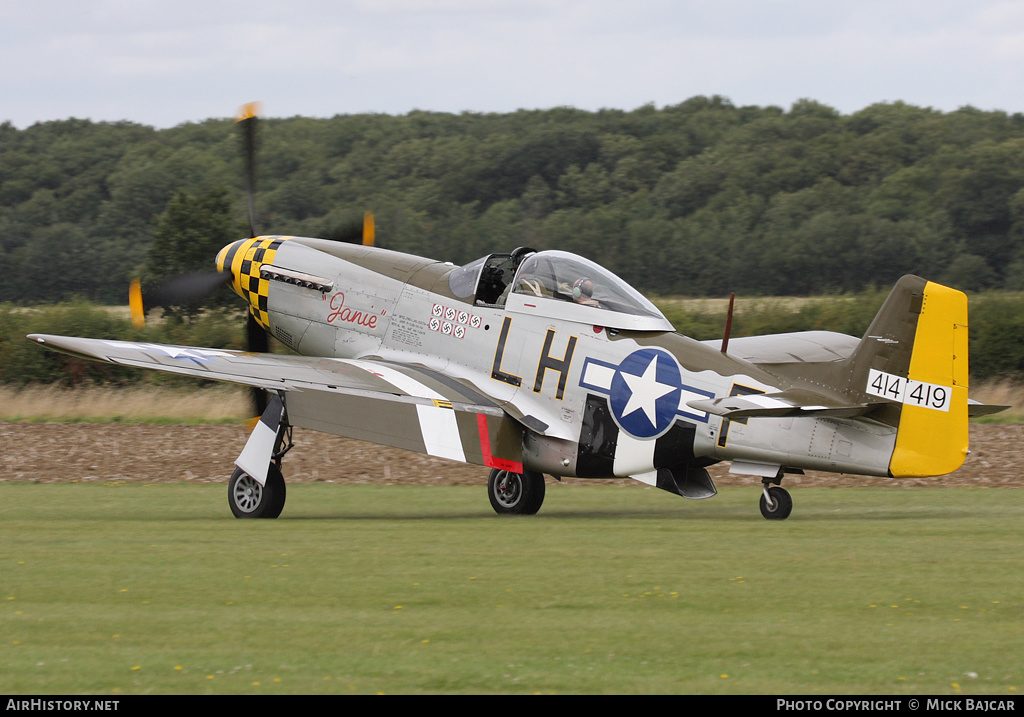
{"points": [[776, 503], [269, 441]]}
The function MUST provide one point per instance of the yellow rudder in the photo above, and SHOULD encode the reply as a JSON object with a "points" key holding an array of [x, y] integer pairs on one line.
{"points": [[932, 435]]}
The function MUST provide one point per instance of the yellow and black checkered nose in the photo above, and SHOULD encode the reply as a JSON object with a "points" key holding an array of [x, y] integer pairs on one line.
{"points": [[243, 259]]}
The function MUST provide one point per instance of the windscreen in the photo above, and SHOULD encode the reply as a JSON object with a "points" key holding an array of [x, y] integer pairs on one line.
{"points": [[568, 277]]}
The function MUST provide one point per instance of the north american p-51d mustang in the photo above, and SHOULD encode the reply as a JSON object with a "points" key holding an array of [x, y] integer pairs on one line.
{"points": [[542, 362]]}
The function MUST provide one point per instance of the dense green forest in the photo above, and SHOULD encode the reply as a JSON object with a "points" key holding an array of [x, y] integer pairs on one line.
{"points": [[699, 199]]}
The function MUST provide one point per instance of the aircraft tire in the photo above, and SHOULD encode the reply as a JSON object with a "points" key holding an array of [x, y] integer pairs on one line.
{"points": [[250, 500], [783, 504], [515, 493]]}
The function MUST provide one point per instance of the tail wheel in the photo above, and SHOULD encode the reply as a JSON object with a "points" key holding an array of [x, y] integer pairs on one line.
{"points": [[249, 499], [515, 493], [776, 503]]}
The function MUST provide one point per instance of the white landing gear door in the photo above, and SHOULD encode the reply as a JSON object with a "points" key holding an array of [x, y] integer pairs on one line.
{"points": [[259, 449]]}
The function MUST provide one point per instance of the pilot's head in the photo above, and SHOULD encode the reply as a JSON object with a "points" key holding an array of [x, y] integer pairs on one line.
{"points": [[583, 289]]}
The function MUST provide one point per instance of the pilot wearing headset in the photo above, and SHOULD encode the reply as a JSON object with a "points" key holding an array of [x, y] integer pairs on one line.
{"points": [[583, 292]]}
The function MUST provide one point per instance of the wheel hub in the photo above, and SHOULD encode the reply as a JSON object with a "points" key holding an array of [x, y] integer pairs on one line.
{"points": [[509, 489], [248, 494]]}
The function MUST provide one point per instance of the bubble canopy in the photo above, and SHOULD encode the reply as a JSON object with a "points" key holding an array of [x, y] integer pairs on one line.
{"points": [[559, 284]]}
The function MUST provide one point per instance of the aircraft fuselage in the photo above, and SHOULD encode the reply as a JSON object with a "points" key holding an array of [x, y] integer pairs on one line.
{"points": [[598, 401]]}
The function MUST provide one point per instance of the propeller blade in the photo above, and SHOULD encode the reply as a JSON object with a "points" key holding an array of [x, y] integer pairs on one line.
{"points": [[136, 305], [185, 289], [246, 119], [364, 232], [369, 229], [259, 401], [258, 341], [256, 338], [182, 290], [349, 234]]}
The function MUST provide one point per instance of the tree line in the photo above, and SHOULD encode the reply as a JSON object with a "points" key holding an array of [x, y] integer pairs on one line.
{"points": [[996, 333], [702, 198]]}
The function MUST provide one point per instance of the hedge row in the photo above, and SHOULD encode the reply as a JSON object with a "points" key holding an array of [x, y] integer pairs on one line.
{"points": [[996, 333]]}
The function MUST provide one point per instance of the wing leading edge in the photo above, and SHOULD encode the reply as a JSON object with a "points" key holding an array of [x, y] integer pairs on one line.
{"points": [[392, 404]]}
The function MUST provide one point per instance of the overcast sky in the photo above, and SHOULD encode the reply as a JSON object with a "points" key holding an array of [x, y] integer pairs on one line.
{"points": [[163, 62]]}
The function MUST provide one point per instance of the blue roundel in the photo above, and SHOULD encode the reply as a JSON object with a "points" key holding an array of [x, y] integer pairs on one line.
{"points": [[645, 393]]}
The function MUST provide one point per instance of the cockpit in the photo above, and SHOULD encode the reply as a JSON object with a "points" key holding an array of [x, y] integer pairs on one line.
{"points": [[555, 284]]}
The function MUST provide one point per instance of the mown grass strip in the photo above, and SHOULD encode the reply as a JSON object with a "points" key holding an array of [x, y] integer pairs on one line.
{"points": [[132, 588]]}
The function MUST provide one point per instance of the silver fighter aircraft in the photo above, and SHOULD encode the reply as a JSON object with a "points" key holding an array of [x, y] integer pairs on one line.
{"points": [[542, 362]]}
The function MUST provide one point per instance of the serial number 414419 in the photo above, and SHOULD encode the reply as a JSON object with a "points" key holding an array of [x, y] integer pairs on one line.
{"points": [[908, 391]]}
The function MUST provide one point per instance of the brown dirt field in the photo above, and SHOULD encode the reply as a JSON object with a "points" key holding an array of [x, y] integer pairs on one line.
{"points": [[70, 452]]}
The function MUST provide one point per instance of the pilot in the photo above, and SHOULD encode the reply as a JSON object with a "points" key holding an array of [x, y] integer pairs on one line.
{"points": [[583, 292]]}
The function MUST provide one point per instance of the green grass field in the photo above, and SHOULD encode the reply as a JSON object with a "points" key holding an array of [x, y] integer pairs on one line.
{"points": [[132, 588]]}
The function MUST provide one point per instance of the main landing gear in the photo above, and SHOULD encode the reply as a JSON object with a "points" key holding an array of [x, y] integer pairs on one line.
{"points": [[246, 497], [515, 493], [776, 503]]}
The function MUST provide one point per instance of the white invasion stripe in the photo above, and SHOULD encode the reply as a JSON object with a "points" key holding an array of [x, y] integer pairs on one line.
{"points": [[257, 452], [632, 455], [438, 426], [650, 478], [599, 376], [441, 432], [398, 379], [766, 401], [686, 396]]}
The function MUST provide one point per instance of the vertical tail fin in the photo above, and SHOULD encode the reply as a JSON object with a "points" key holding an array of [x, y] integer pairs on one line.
{"points": [[914, 355]]}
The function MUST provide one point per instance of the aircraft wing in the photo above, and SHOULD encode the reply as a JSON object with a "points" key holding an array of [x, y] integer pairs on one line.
{"points": [[399, 405]]}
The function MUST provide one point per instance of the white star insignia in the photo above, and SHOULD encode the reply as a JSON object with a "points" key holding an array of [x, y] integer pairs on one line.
{"points": [[645, 391]]}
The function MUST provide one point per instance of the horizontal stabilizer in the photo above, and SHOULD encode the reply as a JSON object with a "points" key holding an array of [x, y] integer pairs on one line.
{"points": [[976, 409], [787, 404], [796, 347]]}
